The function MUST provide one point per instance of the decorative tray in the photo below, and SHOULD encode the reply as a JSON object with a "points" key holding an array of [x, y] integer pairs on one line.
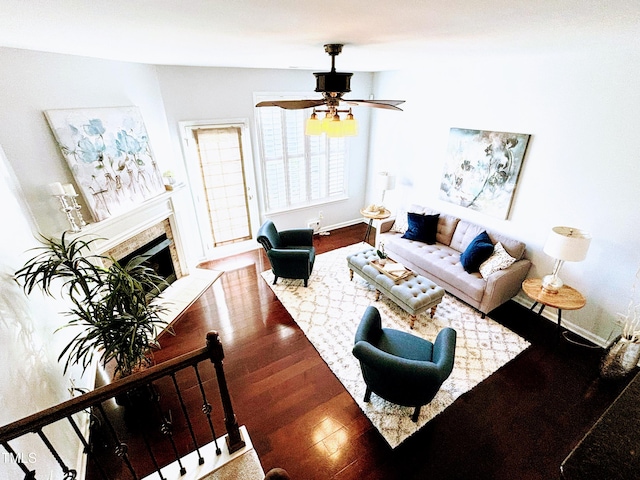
{"points": [[392, 269]]}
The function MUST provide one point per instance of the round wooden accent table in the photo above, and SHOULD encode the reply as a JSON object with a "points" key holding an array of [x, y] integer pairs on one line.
{"points": [[567, 298], [379, 215]]}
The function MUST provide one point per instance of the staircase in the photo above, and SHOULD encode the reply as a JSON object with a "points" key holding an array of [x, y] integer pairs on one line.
{"points": [[242, 464], [156, 428]]}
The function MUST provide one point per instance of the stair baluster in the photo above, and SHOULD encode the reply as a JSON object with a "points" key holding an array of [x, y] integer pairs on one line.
{"points": [[28, 474], [69, 474], [138, 383], [122, 449], [87, 448], [207, 409]]}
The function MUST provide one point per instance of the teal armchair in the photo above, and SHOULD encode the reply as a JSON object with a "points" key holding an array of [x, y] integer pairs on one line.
{"points": [[400, 367], [290, 252]]}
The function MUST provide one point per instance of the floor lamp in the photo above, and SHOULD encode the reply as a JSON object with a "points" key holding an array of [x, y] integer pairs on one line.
{"points": [[565, 244]]}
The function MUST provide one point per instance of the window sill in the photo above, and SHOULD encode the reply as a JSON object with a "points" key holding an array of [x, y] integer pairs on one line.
{"points": [[307, 206]]}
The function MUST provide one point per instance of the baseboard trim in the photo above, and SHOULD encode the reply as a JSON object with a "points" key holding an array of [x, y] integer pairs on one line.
{"points": [[335, 226], [551, 315]]}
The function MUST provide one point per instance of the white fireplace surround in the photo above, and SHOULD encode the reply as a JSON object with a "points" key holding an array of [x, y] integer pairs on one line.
{"points": [[116, 230]]}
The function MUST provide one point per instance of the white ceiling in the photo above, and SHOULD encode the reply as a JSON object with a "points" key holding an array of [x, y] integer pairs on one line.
{"points": [[378, 34]]}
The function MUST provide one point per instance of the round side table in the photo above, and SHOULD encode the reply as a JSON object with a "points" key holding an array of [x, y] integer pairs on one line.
{"points": [[567, 298], [378, 215]]}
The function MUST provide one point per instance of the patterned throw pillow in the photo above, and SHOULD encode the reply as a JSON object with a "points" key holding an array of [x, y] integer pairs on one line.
{"points": [[499, 260], [401, 224]]}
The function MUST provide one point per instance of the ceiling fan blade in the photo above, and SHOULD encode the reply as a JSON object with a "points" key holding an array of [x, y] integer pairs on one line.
{"points": [[388, 104], [291, 104]]}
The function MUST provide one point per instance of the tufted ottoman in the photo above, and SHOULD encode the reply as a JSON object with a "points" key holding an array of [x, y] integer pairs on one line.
{"points": [[414, 294]]}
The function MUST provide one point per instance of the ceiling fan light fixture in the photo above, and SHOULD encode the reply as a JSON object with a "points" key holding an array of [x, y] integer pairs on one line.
{"points": [[350, 126], [314, 125], [333, 85], [332, 124], [328, 118], [335, 127]]}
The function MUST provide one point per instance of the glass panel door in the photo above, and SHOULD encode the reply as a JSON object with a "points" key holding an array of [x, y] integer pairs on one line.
{"points": [[222, 171], [221, 177]]}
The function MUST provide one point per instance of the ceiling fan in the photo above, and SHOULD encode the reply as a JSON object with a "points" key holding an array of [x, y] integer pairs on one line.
{"points": [[333, 85]]}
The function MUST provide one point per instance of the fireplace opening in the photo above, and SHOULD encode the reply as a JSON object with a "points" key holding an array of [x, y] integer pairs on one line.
{"points": [[159, 258]]}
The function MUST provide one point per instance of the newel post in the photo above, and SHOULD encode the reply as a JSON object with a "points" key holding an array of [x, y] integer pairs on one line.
{"points": [[234, 437]]}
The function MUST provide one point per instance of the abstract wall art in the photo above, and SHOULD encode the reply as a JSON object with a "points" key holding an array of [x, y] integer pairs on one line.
{"points": [[481, 169], [108, 152]]}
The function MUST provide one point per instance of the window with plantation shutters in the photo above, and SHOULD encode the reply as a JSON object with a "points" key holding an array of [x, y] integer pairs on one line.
{"points": [[297, 170]]}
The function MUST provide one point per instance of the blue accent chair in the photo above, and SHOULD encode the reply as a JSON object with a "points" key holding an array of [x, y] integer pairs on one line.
{"points": [[400, 367], [290, 252]]}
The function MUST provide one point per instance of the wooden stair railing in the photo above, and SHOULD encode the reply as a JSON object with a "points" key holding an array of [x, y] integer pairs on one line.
{"points": [[94, 400]]}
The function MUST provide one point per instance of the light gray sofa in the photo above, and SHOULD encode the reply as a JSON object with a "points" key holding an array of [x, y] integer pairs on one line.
{"points": [[440, 262]]}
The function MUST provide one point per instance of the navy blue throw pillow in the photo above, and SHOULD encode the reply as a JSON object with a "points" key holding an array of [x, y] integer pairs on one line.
{"points": [[422, 228], [477, 252]]}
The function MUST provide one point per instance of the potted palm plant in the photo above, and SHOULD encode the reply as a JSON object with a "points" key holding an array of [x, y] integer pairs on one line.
{"points": [[110, 302]]}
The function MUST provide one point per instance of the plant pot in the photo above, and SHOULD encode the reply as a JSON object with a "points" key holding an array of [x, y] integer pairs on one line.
{"points": [[140, 407], [620, 359], [138, 398]]}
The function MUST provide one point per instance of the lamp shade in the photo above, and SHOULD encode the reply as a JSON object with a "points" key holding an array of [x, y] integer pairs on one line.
{"points": [[350, 126], [567, 244], [326, 121], [313, 125], [334, 127], [386, 181]]}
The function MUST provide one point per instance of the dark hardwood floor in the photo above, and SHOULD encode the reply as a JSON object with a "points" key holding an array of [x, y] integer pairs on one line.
{"points": [[518, 424]]}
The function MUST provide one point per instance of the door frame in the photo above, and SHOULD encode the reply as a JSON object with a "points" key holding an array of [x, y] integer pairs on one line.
{"points": [[192, 166]]}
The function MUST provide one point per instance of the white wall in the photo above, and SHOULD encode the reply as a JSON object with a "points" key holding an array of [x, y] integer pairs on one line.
{"points": [[200, 93], [581, 167], [32, 82], [31, 379]]}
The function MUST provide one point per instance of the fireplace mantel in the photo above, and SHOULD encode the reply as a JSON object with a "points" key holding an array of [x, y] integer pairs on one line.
{"points": [[115, 230]]}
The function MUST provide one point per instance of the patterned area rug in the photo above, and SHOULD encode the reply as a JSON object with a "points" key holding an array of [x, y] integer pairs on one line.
{"points": [[329, 311]]}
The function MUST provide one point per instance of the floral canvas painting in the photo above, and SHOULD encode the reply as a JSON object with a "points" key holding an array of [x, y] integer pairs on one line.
{"points": [[481, 169], [109, 154]]}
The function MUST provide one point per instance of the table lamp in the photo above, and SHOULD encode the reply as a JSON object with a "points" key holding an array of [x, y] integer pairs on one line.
{"points": [[386, 181], [565, 244]]}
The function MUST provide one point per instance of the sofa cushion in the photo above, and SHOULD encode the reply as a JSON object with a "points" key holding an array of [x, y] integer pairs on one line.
{"points": [[446, 225], [439, 264], [422, 228], [476, 252], [465, 232], [499, 260]]}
